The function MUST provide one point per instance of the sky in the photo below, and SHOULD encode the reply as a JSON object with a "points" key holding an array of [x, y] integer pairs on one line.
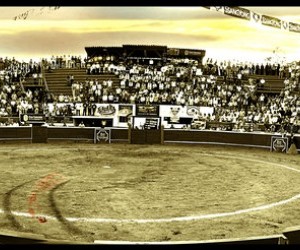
{"points": [[68, 30]]}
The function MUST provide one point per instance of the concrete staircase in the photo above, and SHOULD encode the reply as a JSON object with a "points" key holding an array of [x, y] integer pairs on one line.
{"points": [[272, 85], [57, 79]]}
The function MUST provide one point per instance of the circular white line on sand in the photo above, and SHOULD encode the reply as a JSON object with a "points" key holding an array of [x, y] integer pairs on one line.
{"points": [[183, 218]]}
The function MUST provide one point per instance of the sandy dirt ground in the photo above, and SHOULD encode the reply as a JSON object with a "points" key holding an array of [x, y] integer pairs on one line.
{"points": [[118, 192]]}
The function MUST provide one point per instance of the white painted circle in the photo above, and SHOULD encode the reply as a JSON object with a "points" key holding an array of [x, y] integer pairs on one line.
{"points": [[183, 218]]}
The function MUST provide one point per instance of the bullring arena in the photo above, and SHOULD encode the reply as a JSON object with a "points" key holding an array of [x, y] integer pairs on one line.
{"points": [[98, 193], [122, 171]]}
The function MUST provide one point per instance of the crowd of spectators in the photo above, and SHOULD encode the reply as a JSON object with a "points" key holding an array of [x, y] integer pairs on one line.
{"points": [[210, 67], [12, 70], [226, 86], [14, 100], [64, 61]]}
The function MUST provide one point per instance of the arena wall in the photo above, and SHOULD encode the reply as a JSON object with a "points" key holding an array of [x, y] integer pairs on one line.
{"points": [[47, 134]]}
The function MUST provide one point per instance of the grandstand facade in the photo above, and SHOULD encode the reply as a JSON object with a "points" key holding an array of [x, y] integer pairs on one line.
{"points": [[142, 54], [158, 87]]}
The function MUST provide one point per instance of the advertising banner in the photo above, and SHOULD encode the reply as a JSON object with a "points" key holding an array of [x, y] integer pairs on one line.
{"points": [[105, 110], [173, 52], [246, 14], [295, 27], [237, 12], [279, 144], [271, 21], [193, 53], [172, 111], [147, 110], [125, 110]]}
